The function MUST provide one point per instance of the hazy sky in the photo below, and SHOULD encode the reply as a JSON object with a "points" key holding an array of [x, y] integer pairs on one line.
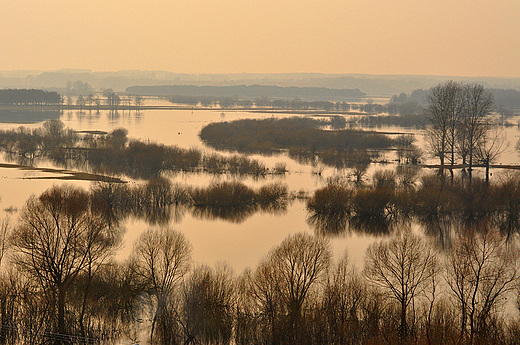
{"points": [[438, 37]]}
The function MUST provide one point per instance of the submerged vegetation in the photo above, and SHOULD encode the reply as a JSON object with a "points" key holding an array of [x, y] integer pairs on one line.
{"points": [[283, 134], [451, 286], [114, 153], [305, 139], [159, 201], [444, 207]]}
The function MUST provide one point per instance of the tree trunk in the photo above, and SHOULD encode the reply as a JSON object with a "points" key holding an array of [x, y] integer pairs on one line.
{"points": [[61, 312], [487, 171], [403, 331]]}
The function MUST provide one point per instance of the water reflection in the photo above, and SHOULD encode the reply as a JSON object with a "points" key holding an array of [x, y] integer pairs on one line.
{"points": [[232, 214], [159, 202], [28, 115], [442, 207], [160, 125], [332, 224], [338, 224]]}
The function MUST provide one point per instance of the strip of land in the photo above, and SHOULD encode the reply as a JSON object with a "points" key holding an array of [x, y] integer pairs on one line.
{"points": [[68, 174]]}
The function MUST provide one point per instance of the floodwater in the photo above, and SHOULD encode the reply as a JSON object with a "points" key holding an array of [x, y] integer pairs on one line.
{"points": [[241, 244]]}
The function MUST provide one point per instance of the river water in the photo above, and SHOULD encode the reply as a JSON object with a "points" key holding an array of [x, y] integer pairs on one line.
{"points": [[240, 244]]}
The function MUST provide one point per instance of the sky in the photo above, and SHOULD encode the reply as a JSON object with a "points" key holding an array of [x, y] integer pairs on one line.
{"points": [[441, 37]]}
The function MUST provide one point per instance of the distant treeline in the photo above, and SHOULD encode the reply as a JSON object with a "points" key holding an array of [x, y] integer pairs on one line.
{"points": [[231, 102], [29, 97], [506, 98], [249, 92], [408, 120], [503, 99]]}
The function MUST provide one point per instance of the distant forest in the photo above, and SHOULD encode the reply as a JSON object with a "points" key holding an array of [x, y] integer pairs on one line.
{"points": [[252, 91], [29, 97], [503, 98]]}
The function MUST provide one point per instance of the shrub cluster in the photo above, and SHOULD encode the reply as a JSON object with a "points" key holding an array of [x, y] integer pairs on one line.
{"points": [[441, 205], [159, 200], [280, 134]]}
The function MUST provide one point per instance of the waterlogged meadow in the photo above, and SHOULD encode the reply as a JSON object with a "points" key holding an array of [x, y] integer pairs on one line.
{"points": [[235, 215], [167, 142]]}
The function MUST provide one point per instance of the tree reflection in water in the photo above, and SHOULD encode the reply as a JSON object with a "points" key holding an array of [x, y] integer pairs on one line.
{"points": [[159, 202], [443, 208]]}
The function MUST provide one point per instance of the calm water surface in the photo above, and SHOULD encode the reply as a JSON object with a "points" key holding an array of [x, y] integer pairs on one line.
{"points": [[240, 244]]}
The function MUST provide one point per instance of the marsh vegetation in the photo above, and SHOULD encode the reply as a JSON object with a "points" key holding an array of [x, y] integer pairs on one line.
{"points": [[115, 154], [419, 283], [407, 291]]}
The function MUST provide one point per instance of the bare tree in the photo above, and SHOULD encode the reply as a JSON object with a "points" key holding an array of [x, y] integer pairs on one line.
{"points": [[482, 269], [81, 101], [402, 266], [490, 146], [208, 304], [283, 282], [138, 101], [57, 237], [458, 122], [478, 104], [343, 298], [89, 100], [160, 258], [5, 232], [444, 106], [112, 99]]}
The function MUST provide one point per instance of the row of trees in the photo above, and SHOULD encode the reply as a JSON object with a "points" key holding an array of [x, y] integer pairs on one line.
{"points": [[59, 278], [459, 126], [111, 99], [296, 104], [29, 97]]}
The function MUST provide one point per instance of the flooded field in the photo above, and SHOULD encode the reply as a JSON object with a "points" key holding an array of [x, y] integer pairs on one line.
{"points": [[242, 243]]}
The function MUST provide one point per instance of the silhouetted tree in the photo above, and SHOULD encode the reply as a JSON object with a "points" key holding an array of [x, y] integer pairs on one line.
{"points": [[57, 237], [478, 104], [208, 304], [160, 258], [283, 283], [402, 266], [481, 270], [444, 105]]}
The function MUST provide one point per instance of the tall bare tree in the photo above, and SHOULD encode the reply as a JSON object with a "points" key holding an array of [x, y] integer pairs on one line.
{"points": [[343, 299], [490, 146], [208, 304], [444, 105], [402, 266], [481, 269], [57, 237], [160, 258], [283, 282], [478, 104]]}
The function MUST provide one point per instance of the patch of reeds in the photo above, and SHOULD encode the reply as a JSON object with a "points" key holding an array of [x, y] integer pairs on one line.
{"points": [[304, 138]]}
